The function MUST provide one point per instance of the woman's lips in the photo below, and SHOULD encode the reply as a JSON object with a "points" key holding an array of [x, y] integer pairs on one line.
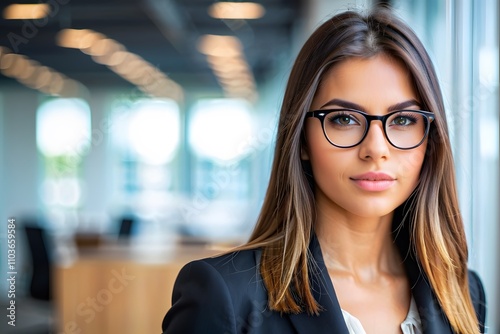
{"points": [[374, 181]]}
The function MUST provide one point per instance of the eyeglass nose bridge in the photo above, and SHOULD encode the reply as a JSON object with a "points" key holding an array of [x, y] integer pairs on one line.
{"points": [[369, 119]]}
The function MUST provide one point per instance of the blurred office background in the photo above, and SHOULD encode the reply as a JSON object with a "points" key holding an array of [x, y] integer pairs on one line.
{"points": [[136, 135]]}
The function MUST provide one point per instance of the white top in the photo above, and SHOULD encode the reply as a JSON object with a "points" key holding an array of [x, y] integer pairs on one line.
{"points": [[411, 325]]}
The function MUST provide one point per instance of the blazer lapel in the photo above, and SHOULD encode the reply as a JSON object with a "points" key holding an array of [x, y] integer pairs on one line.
{"points": [[330, 319], [432, 317]]}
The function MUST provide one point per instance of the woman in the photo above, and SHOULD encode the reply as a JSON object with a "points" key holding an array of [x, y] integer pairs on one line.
{"points": [[360, 230]]}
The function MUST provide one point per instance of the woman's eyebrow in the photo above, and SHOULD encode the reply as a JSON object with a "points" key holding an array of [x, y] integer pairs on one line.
{"points": [[352, 105], [344, 104], [404, 105]]}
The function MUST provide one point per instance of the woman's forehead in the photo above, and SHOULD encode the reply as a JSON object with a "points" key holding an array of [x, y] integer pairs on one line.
{"points": [[376, 80]]}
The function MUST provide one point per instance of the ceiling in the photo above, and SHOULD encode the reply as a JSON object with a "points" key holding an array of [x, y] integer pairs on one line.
{"points": [[163, 32]]}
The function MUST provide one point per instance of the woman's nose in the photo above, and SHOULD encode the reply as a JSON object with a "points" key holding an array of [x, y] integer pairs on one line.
{"points": [[375, 145]]}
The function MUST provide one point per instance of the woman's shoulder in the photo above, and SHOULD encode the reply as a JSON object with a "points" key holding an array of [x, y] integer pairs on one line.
{"points": [[236, 257], [221, 294], [475, 284], [235, 275], [478, 297], [233, 266]]}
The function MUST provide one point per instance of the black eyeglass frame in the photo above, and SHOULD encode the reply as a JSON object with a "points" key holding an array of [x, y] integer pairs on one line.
{"points": [[321, 114]]}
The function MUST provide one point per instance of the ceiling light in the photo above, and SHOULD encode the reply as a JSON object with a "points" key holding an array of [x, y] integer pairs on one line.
{"points": [[116, 58], [7, 61], [82, 39], [109, 52], [220, 46], [33, 75], [71, 38], [27, 71], [236, 10], [226, 63], [26, 11], [43, 78], [102, 47], [103, 50], [17, 67]]}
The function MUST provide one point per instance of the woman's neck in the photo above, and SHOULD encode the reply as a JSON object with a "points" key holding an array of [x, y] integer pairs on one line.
{"points": [[357, 246]]}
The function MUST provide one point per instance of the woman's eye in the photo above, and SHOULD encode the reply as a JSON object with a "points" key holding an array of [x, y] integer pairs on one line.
{"points": [[343, 120], [404, 120]]}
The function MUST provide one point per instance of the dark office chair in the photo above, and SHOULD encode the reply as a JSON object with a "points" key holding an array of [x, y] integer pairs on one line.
{"points": [[37, 307], [126, 227], [40, 283]]}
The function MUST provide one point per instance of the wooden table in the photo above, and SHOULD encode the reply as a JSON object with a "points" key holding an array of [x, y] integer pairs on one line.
{"points": [[120, 289]]}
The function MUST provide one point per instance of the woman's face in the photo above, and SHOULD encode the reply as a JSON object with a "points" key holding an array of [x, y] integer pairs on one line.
{"points": [[372, 178]]}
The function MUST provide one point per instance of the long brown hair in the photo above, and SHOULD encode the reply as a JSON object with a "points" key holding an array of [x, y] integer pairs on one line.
{"points": [[285, 224]]}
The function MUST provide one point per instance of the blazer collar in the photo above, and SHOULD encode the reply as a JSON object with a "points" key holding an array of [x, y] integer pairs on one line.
{"points": [[433, 319], [331, 320]]}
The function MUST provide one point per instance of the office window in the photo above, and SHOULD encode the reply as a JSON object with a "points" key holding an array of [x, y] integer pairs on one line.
{"points": [[219, 128], [145, 141], [63, 139], [220, 132]]}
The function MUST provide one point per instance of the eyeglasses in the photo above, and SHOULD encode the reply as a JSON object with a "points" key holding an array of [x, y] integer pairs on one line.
{"points": [[345, 128]]}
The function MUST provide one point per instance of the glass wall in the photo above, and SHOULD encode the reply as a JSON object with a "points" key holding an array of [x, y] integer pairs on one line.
{"points": [[221, 168], [63, 139], [189, 170], [144, 150], [462, 37]]}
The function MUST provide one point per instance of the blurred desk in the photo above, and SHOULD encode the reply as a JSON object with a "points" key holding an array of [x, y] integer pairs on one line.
{"points": [[121, 288]]}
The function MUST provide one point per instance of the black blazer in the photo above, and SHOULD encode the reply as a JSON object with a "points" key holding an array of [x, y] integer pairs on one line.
{"points": [[226, 295]]}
